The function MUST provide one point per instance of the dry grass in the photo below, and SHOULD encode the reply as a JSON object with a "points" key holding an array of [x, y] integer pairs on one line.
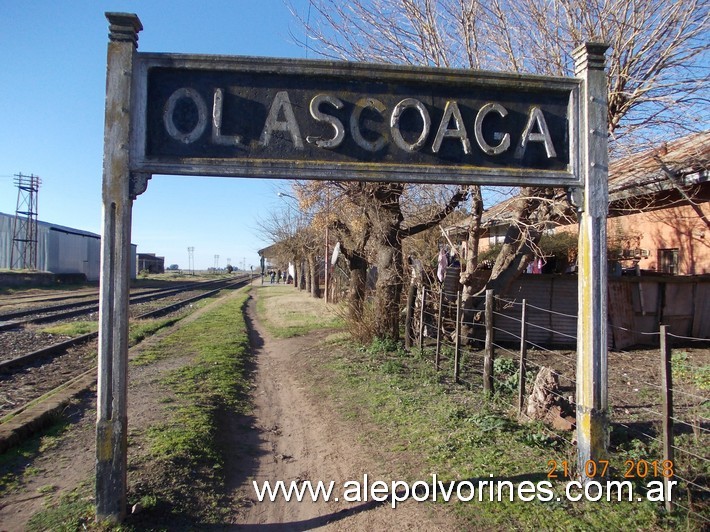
{"points": [[288, 312]]}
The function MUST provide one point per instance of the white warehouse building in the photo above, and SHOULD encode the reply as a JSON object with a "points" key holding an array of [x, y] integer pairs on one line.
{"points": [[60, 250]]}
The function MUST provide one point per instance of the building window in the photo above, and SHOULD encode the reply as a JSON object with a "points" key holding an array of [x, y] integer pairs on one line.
{"points": [[496, 234], [668, 260]]}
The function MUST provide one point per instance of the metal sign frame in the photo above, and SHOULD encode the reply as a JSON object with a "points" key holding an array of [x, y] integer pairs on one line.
{"points": [[129, 164]]}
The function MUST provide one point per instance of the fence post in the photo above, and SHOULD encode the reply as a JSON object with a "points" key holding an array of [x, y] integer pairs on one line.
{"points": [[488, 356], [408, 320], [457, 348], [523, 355], [438, 328], [667, 408], [421, 321]]}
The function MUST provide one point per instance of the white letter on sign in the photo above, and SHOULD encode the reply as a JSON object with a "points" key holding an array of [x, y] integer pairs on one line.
{"points": [[505, 143], [394, 124], [282, 101], [185, 137], [536, 117], [360, 106], [316, 113], [459, 132], [217, 137]]}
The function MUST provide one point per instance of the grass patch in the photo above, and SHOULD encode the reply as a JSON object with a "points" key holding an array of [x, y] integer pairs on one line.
{"points": [[685, 371], [74, 511], [139, 330], [184, 487], [76, 328], [287, 312], [422, 423], [14, 463], [142, 329]]}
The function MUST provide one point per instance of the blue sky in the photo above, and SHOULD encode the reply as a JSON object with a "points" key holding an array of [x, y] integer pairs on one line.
{"points": [[53, 75]]}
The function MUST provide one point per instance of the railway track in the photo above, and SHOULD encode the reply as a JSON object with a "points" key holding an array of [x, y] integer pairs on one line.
{"points": [[23, 300], [41, 369], [49, 313]]}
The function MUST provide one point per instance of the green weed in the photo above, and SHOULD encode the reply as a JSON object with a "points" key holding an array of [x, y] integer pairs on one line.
{"points": [[75, 328]]}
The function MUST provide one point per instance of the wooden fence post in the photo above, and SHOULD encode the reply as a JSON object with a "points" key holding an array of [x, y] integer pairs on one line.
{"points": [[408, 320], [457, 348], [438, 329], [523, 355], [489, 354], [667, 407], [421, 321]]}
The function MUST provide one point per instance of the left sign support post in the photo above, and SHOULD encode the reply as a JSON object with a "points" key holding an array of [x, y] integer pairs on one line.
{"points": [[117, 194]]}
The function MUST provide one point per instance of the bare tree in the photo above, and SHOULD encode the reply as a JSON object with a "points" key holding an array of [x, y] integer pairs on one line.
{"points": [[372, 223], [657, 74], [296, 242], [332, 208], [658, 68]]}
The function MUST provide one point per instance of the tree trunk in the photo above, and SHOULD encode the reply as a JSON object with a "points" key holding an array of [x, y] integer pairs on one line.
{"points": [[468, 280], [523, 235], [390, 275], [358, 283], [314, 284], [307, 276], [474, 235]]}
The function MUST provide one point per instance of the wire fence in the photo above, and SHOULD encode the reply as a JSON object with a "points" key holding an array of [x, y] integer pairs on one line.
{"points": [[659, 399]]}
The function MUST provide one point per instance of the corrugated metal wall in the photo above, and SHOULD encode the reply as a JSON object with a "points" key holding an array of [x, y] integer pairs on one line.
{"points": [[5, 240], [60, 249], [6, 229], [637, 305], [551, 314]]}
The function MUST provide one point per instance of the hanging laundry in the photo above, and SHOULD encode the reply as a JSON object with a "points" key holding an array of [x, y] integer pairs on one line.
{"points": [[443, 264]]}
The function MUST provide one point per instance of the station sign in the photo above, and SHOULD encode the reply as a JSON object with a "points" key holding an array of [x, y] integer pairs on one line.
{"points": [[306, 119]]}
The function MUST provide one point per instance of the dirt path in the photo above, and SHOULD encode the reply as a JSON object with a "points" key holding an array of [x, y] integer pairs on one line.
{"points": [[291, 435], [298, 437]]}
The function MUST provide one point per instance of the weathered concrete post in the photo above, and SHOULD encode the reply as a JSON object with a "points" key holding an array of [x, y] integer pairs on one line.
{"points": [[111, 422], [592, 412]]}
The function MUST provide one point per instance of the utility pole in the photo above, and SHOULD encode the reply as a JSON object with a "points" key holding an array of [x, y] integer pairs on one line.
{"points": [[216, 262], [191, 260], [23, 254]]}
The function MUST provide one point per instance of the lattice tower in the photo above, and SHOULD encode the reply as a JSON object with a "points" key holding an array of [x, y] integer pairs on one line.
{"points": [[23, 254]]}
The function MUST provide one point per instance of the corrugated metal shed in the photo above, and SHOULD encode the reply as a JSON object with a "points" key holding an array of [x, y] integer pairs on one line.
{"points": [[60, 249]]}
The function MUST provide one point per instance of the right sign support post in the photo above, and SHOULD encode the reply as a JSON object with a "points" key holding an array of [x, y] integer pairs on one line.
{"points": [[592, 397]]}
